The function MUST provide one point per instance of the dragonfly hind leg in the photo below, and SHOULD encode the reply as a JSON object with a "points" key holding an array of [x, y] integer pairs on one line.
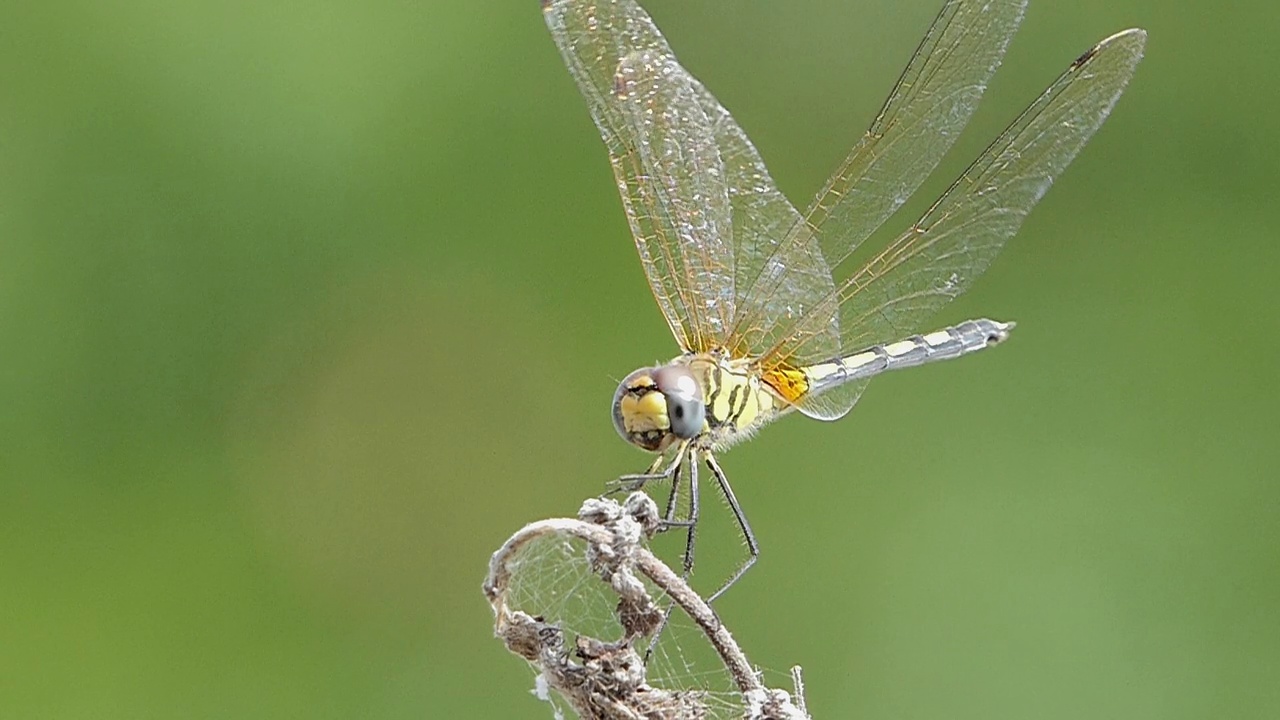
{"points": [[752, 546]]}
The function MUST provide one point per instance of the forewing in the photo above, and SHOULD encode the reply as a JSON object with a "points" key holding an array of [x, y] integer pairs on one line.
{"points": [[928, 107], [937, 259], [664, 157], [762, 217]]}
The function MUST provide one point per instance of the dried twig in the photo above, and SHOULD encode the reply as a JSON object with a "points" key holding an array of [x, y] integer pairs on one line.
{"points": [[606, 678]]}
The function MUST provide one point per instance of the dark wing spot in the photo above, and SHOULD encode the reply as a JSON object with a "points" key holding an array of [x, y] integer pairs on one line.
{"points": [[1086, 57]]}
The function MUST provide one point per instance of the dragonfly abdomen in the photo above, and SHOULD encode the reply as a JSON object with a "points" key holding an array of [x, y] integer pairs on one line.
{"points": [[944, 344]]}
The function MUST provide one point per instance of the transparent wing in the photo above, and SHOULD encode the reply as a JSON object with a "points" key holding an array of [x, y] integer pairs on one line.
{"points": [[927, 110], [705, 214], [675, 176], [929, 106], [684, 257], [938, 258], [762, 217]]}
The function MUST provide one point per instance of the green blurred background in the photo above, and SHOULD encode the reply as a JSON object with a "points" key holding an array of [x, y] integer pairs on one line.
{"points": [[304, 307]]}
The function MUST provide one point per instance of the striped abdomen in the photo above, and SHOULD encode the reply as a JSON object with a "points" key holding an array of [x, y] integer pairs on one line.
{"points": [[952, 342]]}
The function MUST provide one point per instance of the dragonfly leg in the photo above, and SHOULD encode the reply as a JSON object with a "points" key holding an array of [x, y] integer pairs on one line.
{"points": [[637, 481], [669, 519], [669, 515], [752, 546], [694, 510], [691, 527]]}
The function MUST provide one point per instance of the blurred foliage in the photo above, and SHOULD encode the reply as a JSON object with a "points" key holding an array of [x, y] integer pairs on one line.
{"points": [[304, 307]]}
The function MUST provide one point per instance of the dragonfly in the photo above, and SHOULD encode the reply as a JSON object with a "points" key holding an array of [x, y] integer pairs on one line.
{"points": [[771, 313]]}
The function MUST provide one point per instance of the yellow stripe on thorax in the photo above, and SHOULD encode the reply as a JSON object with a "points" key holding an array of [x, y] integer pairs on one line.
{"points": [[735, 400]]}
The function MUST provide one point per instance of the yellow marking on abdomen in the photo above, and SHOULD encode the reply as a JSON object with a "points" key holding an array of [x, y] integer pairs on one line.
{"points": [[789, 382]]}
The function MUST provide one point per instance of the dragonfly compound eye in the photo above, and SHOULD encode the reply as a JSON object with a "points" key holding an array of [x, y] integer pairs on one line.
{"points": [[685, 410], [655, 406], [640, 411]]}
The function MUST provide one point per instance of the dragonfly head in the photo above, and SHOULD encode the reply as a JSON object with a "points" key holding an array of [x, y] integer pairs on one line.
{"points": [[655, 407]]}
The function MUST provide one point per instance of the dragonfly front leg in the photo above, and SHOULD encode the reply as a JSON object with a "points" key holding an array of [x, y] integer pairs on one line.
{"points": [[637, 481]]}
